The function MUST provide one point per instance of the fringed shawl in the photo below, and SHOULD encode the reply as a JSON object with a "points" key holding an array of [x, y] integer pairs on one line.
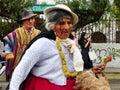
{"points": [[17, 41]]}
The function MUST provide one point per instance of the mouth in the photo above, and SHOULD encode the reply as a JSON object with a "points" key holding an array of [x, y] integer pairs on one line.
{"points": [[65, 32]]}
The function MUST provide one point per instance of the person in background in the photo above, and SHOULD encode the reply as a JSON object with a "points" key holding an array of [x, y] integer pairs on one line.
{"points": [[2, 63], [47, 63], [73, 37], [2, 60], [17, 40], [85, 44]]}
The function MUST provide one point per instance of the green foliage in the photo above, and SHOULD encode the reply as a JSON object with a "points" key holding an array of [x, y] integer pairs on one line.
{"points": [[88, 11], [116, 53], [40, 23], [9, 14], [10, 8], [116, 9]]}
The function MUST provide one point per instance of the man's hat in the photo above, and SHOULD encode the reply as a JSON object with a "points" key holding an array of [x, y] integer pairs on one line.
{"points": [[26, 14]]}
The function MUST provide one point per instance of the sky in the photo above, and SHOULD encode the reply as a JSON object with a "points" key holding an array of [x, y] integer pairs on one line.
{"points": [[47, 1]]}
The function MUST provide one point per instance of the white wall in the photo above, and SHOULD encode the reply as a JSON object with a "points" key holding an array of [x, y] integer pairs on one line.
{"points": [[103, 49]]}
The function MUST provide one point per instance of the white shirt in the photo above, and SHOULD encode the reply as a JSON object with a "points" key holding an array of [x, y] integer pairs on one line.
{"points": [[43, 60]]}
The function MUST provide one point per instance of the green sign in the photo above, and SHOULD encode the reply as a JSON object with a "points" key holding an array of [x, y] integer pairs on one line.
{"points": [[40, 8]]}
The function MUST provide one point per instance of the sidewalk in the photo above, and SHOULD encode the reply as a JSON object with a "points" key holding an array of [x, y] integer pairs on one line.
{"points": [[112, 70], [113, 75]]}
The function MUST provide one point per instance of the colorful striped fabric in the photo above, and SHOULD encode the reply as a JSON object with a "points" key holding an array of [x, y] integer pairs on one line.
{"points": [[11, 40]]}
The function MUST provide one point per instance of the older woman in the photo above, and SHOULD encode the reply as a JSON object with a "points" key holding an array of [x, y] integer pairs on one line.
{"points": [[50, 59]]}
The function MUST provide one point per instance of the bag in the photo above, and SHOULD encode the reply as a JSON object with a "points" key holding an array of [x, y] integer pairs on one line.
{"points": [[89, 81], [92, 55]]}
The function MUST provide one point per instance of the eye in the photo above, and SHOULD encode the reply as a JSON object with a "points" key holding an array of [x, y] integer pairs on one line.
{"points": [[61, 23], [69, 22]]}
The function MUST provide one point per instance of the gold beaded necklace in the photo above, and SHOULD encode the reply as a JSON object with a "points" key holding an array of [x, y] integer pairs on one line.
{"points": [[64, 66]]}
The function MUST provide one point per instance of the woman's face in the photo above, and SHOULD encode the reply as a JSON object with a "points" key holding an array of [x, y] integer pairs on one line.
{"points": [[63, 28]]}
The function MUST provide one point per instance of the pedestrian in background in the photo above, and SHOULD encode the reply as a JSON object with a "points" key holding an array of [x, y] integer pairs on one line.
{"points": [[47, 63], [73, 33], [17, 40], [2, 60], [85, 43]]}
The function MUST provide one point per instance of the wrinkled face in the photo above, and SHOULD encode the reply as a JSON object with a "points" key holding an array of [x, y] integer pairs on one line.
{"points": [[63, 28], [29, 23]]}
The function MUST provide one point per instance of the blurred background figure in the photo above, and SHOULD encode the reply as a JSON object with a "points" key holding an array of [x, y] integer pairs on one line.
{"points": [[74, 37], [2, 60], [17, 40], [85, 43]]}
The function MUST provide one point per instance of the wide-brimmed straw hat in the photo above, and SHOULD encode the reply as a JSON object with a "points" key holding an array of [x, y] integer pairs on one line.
{"points": [[26, 14], [62, 7]]}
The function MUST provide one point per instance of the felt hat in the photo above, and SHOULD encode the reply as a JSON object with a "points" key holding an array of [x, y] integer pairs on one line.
{"points": [[26, 14], [62, 7]]}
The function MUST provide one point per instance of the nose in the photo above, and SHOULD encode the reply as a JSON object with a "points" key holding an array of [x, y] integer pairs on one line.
{"points": [[67, 26]]}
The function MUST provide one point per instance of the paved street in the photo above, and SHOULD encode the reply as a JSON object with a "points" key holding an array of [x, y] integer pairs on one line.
{"points": [[3, 84], [115, 84]]}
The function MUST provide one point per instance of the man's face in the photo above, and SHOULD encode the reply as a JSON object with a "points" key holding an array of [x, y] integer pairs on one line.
{"points": [[29, 23]]}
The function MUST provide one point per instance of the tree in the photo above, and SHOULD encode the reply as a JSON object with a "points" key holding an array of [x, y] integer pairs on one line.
{"points": [[10, 14], [116, 9], [9, 9], [88, 11], [116, 12]]}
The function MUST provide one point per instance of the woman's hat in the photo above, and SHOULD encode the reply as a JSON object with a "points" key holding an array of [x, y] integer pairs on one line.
{"points": [[62, 7], [26, 14]]}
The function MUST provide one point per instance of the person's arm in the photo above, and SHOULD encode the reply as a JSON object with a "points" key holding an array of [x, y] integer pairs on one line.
{"points": [[88, 43], [31, 56], [6, 50]]}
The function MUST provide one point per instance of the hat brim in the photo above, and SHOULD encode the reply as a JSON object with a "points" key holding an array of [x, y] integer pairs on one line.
{"points": [[75, 17], [27, 17]]}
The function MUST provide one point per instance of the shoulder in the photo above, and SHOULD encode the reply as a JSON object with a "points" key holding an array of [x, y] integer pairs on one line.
{"points": [[37, 30], [42, 44], [20, 28], [43, 41]]}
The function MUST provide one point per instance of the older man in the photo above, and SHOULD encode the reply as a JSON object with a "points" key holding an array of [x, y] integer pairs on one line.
{"points": [[16, 41]]}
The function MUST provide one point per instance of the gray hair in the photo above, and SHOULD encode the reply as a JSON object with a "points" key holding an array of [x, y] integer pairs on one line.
{"points": [[55, 16]]}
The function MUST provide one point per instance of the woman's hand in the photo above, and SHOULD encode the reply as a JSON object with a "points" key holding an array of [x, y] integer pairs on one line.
{"points": [[89, 39], [98, 68]]}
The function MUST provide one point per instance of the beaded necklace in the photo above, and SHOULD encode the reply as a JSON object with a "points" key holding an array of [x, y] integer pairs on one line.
{"points": [[64, 66]]}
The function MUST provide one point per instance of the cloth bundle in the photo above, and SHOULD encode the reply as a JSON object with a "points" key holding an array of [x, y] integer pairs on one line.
{"points": [[88, 81]]}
